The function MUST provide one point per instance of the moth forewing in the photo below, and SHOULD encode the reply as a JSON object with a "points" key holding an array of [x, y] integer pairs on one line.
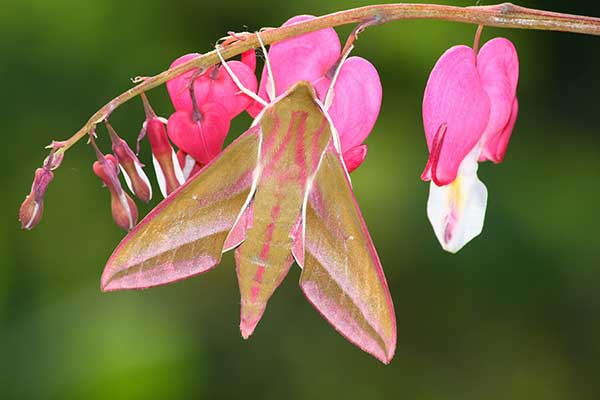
{"points": [[279, 192], [184, 235]]}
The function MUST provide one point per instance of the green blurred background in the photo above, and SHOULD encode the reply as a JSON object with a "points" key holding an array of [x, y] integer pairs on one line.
{"points": [[515, 315]]}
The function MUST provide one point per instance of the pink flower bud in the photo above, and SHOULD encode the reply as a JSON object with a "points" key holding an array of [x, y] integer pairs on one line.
{"points": [[166, 166], [32, 208], [124, 210], [136, 179]]}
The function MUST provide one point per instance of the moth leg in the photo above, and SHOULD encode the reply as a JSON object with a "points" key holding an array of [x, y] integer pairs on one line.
{"points": [[271, 93], [243, 89]]}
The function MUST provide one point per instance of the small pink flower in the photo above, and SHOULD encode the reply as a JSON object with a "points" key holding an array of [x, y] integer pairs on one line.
{"points": [[469, 111], [214, 85], [124, 210], [32, 209], [132, 168], [205, 104], [200, 133], [313, 57], [166, 167]]}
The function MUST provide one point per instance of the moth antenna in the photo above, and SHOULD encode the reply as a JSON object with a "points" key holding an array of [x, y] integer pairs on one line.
{"points": [[237, 82], [271, 93], [334, 71]]}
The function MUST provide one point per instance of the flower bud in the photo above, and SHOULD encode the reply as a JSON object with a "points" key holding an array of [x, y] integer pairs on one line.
{"points": [[124, 210], [130, 165], [32, 208], [166, 166]]}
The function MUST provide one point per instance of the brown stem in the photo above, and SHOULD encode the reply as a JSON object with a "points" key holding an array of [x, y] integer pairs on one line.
{"points": [[504, 15]]}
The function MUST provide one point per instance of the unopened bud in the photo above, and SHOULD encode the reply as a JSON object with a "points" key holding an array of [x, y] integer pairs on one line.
{"points": [[32, 208], [130, 165], [166, 166], [124, 210]]}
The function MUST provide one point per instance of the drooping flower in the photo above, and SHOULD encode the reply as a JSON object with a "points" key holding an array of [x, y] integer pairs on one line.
{"points": [[200, 133], [314, 57], [469, 112], [123, 208], [166, 167], [131, 167], [205, 103], [32, 209], [213, 85]]}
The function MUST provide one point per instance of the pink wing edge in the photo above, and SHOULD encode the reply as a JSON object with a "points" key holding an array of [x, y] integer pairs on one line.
{"points": [[230, 239], [298, 253]]}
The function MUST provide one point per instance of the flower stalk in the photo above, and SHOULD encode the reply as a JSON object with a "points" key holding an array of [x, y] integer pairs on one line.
{"points": [[505, 15]]}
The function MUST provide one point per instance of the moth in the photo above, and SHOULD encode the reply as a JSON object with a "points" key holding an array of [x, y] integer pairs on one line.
{"points": [[279, 193]]}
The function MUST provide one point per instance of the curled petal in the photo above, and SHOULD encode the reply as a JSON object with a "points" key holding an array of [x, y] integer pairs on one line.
{"points": [[213, 86], [455, 97], [200, 136], [457, 211], [354, 157], [356, 101], [498, 66]]}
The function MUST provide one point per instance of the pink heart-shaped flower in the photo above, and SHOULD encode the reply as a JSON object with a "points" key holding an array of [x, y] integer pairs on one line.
{"points": [[356, 101], [456, 111], [202, 135], [213, 86]]}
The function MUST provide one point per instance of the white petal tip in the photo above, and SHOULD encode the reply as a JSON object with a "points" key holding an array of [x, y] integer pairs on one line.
{"points": [[457, 211]]}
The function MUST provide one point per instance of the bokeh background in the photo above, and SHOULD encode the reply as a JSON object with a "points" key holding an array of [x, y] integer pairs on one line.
{"points": [[515, 315]]}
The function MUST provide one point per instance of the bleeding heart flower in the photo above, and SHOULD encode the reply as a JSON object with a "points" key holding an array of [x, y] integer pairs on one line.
{"points": [[32, 209], [130, 165], [200, 133], [124, 210], [313, 57], [214, 85], [469, 112], [166, 166]]}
